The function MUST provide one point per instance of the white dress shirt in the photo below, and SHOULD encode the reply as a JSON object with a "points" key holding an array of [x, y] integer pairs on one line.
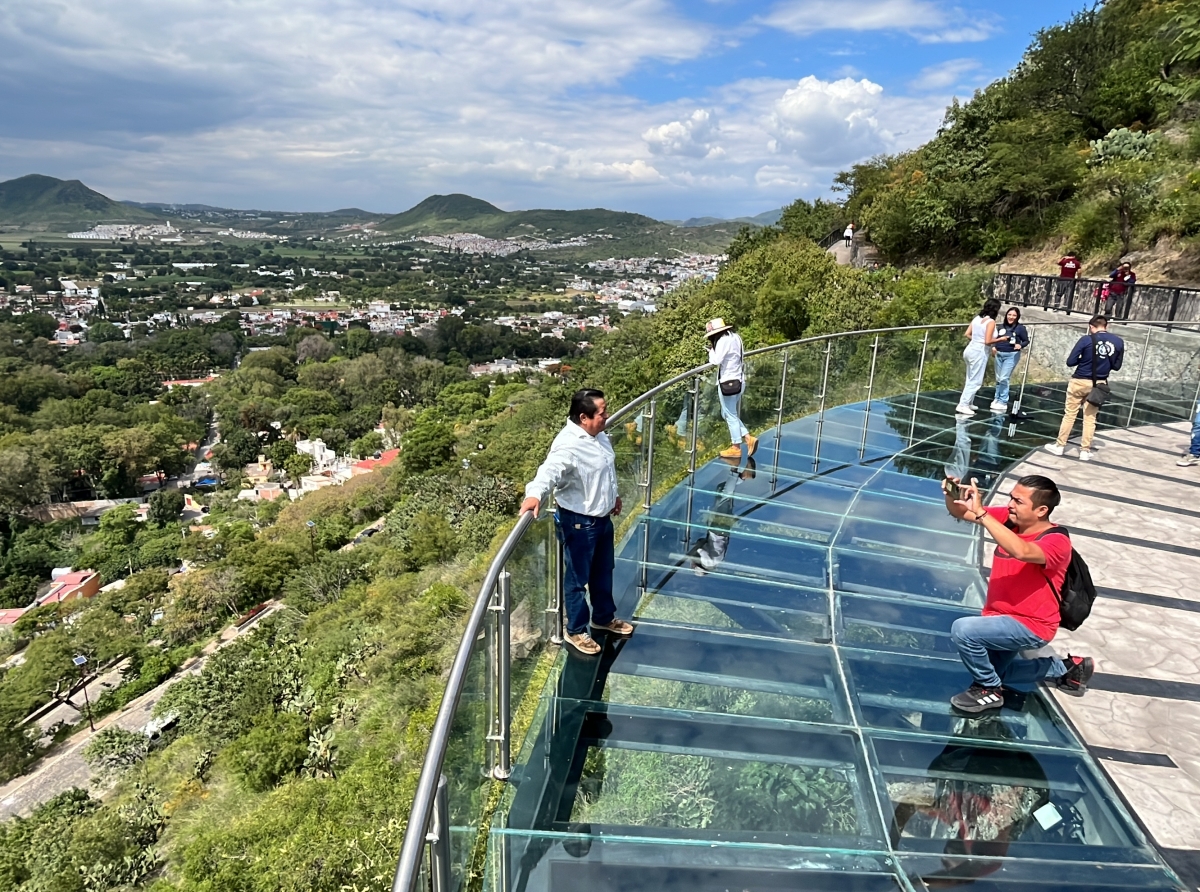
{"points": [[726, 355], [581, 470]]}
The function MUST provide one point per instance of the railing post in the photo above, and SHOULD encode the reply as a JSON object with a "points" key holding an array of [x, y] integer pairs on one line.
{"points": [[1024, 374], [554, 612], [500, 678], [821, 407], [782, 388], [695, 426], [912, 429], [862, 446], [438, 838], [1138, 381], [1174, 307], [648, 433], [1050, 289]]}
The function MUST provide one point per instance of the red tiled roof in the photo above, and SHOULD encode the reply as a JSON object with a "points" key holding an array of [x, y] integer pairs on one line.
{"points": [[11, 615], [372, 464]]}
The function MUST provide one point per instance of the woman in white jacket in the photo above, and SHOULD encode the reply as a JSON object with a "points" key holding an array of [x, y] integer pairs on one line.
{"points": [[725, 352]]}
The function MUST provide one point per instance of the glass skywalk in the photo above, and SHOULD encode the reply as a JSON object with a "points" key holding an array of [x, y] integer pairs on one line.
{"points": [[780, 717]]}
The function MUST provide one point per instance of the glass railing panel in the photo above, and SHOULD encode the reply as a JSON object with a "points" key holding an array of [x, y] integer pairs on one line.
{"points": [[531, 621], [673, 409], [968, 795], [629, 447], [805, 370], [466, 764]]}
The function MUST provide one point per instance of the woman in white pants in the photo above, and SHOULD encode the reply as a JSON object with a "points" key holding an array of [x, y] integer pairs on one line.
{"points": [[980, 334], [725, 352]]}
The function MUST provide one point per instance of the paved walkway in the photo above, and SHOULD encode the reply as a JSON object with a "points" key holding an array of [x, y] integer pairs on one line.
{"points": [[1135, 517]]}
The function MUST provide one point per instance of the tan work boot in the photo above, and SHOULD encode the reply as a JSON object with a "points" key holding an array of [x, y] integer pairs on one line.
{"points": [[732, 452], [617, 627], [584, 643], [751, 444]]}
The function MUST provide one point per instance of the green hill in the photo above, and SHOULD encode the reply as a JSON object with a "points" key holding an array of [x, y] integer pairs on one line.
{"points": [[440, 214], [48, 202]]}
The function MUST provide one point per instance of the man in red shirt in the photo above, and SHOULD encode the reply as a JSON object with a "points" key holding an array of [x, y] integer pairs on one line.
{"points": [[1021, 612], [1068, 266], [1068, 269]]}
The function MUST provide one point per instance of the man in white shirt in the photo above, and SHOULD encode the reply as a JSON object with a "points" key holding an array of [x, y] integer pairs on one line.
{"points": [[581, 471]]}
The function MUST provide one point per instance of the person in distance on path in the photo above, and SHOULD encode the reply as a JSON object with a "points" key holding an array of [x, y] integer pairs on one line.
{"points": [[1192, 458], [1021, 612], [581, 471], [1094, 356]]}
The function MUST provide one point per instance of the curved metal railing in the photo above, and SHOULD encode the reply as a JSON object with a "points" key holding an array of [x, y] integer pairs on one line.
{"points": [[428, 820]]}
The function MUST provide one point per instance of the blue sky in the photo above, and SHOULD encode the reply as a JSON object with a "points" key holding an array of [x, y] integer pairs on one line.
{"points": [[721, 107]]}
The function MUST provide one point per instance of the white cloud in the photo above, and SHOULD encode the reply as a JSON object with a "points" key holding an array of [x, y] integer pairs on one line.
{"points": [[693, 136], [825, 121], [944, 74], [310, 104], [929, 21]]}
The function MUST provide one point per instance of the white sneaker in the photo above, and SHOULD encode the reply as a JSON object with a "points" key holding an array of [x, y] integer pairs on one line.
{"points": [[1085, 455], [1054, 449], [1188, 461], [999, 408], [964, 410]]}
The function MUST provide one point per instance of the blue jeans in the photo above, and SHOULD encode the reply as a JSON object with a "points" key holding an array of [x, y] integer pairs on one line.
{"points": [[730, 407], [1195, 450], [588, 548], [1005, 363], [990, 649]]}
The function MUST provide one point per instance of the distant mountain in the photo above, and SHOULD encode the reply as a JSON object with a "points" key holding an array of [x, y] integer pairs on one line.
{"points": [[440, 214], [48, 202], [766, 218]]}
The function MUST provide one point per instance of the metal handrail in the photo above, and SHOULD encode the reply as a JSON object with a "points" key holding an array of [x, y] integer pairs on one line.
{"points": [[423, 806]]}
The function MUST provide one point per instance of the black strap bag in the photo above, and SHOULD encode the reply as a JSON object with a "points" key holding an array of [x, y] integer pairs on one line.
{"points": [[731, 388], [1078, 591], [1100, 390]]}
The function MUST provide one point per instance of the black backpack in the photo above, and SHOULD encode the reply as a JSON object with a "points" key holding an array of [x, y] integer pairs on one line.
{"points": [[1078, 591]]}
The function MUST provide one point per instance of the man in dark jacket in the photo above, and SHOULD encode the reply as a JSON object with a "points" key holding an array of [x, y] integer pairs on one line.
{"points": [[1094, 355]]}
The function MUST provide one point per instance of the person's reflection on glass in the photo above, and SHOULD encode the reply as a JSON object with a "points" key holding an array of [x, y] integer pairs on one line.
{"points": [[979, 800], [707, 554], [959, 462], [990, 463]]}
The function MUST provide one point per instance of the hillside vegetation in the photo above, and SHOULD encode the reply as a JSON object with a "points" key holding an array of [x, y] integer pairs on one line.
{"points": [[1093, 139]]}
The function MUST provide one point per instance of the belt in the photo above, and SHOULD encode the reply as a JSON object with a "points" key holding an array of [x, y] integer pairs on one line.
{"points": [[580, 513]]}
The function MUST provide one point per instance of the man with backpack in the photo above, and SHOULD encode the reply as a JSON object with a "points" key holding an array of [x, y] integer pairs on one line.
{"points": [[1023, 608]]}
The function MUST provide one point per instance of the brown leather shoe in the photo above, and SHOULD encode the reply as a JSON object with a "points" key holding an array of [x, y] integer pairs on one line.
{"points": [[617, 627], [584, 643]]}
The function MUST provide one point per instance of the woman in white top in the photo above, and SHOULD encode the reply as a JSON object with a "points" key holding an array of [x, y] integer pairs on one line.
{"points": [[980, 335], [848, 235], [725, 352]]}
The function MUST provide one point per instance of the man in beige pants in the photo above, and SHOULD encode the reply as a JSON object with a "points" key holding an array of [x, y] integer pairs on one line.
{"points": [[1094, 356]]}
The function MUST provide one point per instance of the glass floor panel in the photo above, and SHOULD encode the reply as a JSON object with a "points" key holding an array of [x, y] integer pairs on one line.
{"points": [[780, 718]]}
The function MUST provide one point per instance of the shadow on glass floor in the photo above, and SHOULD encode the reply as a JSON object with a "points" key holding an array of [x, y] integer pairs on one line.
{"points": [[780, 719]]}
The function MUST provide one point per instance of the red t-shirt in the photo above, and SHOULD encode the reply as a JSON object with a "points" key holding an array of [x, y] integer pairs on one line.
{"points": [[1068, 267], [1021, 590]]}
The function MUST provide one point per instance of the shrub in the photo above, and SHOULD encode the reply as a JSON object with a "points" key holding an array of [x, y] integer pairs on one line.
{"points": [[275, 748]]}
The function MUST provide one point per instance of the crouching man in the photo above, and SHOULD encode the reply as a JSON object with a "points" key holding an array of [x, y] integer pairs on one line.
{"points": [[1021, 612]]}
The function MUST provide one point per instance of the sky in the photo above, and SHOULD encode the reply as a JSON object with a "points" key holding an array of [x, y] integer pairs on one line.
{"points": [[671, 109]]}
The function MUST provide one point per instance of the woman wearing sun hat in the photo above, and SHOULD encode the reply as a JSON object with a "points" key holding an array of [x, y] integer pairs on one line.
{"points": [[725, 352]]}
